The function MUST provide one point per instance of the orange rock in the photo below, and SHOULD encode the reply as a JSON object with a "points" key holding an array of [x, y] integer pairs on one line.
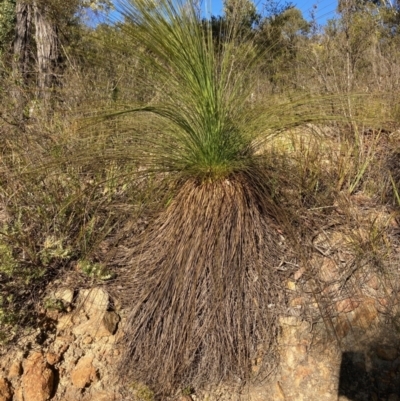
{"points": [[84, 372], [297, 302], [52, 358], [346, 305], [365, 314], [300, 374], [15, 370], [373, 282], [5, 390], [87, 340], [38, 379]]}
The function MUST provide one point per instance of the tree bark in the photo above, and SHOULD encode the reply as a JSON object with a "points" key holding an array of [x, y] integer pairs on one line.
{"points": [[21, 42], [47, 50], [36, 39]]}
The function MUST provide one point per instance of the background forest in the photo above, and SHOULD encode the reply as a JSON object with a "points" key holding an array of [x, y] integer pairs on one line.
{"points": [[101, 129]]}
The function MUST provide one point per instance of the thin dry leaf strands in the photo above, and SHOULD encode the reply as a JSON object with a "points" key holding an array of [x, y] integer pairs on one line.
{"points": [[205, 290]]}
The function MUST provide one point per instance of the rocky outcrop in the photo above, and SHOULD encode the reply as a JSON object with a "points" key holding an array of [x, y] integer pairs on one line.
{"points": [[76, 361]]}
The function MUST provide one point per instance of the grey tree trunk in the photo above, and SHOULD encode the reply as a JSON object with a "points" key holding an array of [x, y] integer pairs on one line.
{"points": [[36, 49], [22, 57], [47, 51]]}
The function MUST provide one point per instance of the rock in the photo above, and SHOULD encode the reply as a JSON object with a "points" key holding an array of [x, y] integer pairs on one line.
{"points": [[365, 314], [299, 273], [94, 301], [110, 322], [72, 394], [64, 294], [65, 322], [15, 370], [87, 340], [280, 395], [84, 372], [342, 326], [101, 325], [386, 352], [52, 358], [295, 302], [306, 369], [100, 396], [382, 305], [60, 347], [185, 398], [18, 394], [332, 240], [291, 285], [61, 343], [38, 379], [99, 322], [301, 373], [373, 282], [5, 390], [331, 290], [329, 270], [346, 305]]}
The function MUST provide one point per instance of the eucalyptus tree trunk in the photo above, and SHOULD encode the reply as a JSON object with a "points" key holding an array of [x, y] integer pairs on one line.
{"points": [[36, 49], [47, 51], [22, 55]]}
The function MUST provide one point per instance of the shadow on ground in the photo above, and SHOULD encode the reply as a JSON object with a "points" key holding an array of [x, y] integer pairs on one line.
{"points": [[373, 375]]}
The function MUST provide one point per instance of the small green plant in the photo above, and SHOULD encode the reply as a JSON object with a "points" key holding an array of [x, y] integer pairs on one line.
{"points": [[94, 270], [188, 390], [395, 190], [142, 392], [54, 248], [54, 304], [8, 317], [8, 263]]}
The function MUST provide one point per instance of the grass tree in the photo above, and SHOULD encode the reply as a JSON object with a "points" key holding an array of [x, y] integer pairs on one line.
{"points": [[204, 288]]}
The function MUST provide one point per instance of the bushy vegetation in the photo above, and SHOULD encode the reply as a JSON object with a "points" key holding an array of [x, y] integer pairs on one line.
{"points": [[185, 160]]}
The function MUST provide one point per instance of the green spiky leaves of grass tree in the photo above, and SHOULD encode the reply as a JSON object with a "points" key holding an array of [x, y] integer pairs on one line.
{"points": [[200, 93]]}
